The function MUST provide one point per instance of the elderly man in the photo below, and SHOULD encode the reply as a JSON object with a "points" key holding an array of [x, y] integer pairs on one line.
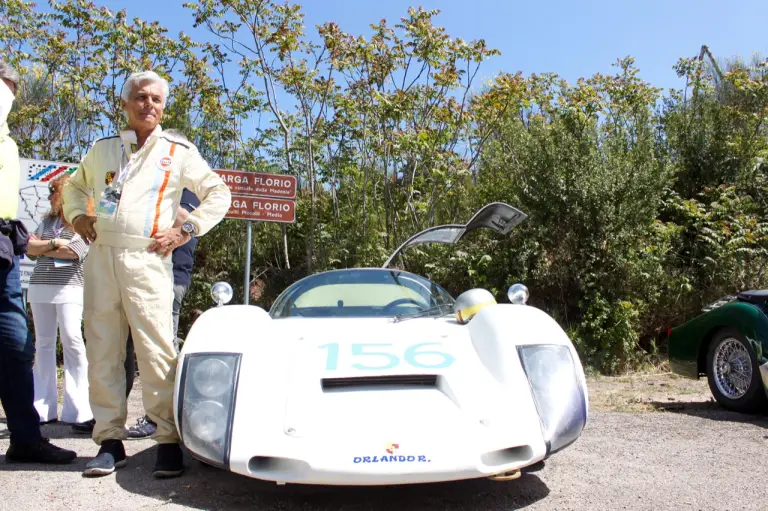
{"points": [[17, 391], [137, 179]]}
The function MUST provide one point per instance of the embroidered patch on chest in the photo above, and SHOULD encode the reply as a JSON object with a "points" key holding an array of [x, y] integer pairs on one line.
{"points": [[108, 177], [165, 163]]}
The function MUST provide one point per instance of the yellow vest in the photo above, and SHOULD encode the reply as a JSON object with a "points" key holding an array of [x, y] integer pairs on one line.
{"points": [[10, 171]]}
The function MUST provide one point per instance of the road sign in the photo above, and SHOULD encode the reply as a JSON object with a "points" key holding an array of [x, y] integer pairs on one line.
{"points": [[260, 197], [259, 184], [264, 209]]}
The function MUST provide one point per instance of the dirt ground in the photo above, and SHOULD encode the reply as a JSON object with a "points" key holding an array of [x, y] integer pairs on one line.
{"points": [[653, 441], [648, 392]]}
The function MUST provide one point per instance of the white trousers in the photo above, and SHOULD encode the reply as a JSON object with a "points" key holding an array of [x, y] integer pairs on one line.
{"points": [[66, 318]]}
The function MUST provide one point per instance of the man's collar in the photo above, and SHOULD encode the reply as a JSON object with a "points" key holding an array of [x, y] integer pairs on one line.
{"points": [[129, 139], [129, 135]]}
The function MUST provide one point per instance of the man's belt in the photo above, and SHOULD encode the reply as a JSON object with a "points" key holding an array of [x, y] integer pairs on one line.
{"points": [[122, 240]]}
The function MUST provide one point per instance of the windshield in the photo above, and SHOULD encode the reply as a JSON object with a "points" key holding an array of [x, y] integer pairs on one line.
{"points": [[360, 293]]}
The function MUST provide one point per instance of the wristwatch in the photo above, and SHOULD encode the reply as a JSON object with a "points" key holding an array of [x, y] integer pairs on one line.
{"points": [[189, 228]]}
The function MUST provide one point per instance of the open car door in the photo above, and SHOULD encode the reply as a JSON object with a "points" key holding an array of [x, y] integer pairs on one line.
{"points": [[497, 216]]}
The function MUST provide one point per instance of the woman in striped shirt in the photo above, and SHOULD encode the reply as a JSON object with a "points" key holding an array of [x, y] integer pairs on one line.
{"points": [[56, 298]]}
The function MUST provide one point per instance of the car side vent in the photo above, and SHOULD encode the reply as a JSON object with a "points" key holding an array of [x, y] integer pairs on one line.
{"points": [[398, 382]]}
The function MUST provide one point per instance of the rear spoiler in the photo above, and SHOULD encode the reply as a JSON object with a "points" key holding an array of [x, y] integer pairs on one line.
{"points": [[497, 216]]}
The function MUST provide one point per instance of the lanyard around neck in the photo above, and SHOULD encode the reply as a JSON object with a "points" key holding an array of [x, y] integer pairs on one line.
{"points": [[124, 172], [58, 228]]}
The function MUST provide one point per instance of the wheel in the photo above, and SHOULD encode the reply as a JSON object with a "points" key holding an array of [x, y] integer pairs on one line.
{"points": [[733, 373]]}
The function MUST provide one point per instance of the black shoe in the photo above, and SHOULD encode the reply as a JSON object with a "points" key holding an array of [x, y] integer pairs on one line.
{"points": [[111, 456], [170, 461], [52, 421], [42, 451], [143, 428], [84, 428]]}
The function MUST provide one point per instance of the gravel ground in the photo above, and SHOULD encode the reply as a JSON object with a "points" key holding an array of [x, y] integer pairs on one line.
{"points": [[677, 450]]}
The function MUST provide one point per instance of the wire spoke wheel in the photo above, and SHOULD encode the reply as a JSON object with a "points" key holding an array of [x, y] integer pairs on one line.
{"points": [[732, 368]]}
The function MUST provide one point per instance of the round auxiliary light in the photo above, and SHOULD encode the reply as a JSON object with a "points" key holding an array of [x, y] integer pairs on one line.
{"points": [[518, 294], [221, 292]]}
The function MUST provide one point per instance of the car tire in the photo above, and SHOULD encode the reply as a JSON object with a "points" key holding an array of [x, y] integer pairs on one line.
{"points": [[733, 373]]}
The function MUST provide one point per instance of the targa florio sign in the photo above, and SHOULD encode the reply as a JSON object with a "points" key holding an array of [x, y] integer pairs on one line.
{"points": [[260, 197]]}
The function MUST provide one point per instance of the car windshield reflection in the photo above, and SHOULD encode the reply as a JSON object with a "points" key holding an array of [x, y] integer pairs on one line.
{"points": [[360, 293]]}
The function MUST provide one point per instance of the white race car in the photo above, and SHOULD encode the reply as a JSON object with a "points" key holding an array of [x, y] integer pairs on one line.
{"points": [[377, 376]]}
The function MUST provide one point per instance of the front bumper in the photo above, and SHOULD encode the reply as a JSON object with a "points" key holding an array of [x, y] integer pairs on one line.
{"points": [[386, 465]]}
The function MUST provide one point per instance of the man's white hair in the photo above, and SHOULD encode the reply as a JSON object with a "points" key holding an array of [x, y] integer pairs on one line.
{"points": [[136, 79], [8, 73]]}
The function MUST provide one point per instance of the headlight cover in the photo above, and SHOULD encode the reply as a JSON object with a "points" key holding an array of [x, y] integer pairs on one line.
{"points": [[557, 392], [209, 383]]}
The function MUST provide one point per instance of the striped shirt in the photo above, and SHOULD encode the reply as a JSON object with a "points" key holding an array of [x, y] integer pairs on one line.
{"points": [[46, 270]]}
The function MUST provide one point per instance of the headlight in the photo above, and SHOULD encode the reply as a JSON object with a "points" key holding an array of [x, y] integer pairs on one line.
{"points": [[557, 392], [207, 404], [208, 421], [221, 292], [212, 377]]}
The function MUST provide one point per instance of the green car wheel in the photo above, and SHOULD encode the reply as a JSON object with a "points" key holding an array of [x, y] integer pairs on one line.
{"points": [[733, 373]]}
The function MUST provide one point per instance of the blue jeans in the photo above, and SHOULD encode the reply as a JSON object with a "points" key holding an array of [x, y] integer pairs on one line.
{"points": [[17, 354]]}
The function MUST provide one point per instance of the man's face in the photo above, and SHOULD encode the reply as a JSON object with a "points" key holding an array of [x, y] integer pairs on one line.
{"points": [[145, 106], [10, 85]]}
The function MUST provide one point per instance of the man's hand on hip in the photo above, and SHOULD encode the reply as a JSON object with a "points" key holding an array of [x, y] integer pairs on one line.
{"points": [[85, 226], [168, 240]]}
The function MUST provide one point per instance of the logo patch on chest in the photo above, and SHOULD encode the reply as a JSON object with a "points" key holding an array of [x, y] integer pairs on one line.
{"points": [[108, 177], [165, 163]]}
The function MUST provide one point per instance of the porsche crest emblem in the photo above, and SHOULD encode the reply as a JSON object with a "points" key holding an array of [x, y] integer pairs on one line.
{"points": [[108, 178]]}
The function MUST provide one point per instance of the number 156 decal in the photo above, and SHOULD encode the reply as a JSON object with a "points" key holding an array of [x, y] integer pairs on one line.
{"points": [[381, 357]]}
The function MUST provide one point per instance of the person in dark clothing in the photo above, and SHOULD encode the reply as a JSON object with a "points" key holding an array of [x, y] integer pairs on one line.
{"points": [[183, 263]]}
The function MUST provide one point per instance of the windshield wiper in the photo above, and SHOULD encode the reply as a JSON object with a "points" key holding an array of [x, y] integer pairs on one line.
{"points": [[442, 309]]}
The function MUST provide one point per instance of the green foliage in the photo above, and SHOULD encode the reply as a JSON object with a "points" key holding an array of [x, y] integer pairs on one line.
{"points": [[643, 204]]}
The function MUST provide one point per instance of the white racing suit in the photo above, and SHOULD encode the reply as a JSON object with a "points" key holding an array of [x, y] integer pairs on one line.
{"points": [[127, 286]]}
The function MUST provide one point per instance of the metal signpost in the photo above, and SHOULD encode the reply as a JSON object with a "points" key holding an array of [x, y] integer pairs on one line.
{"points": [[260, 197]]}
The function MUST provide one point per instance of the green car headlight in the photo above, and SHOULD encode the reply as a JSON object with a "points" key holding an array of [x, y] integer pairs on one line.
{"points": [[209, 382]]}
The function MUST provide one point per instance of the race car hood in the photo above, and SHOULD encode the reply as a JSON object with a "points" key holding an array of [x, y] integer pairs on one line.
{"points": [[383, 376]]}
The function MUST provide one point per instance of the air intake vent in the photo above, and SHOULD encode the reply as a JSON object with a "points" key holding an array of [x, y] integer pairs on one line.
{"points": [[401, 382]]}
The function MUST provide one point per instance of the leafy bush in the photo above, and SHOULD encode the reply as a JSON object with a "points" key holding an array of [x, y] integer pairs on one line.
{"points": [[642, 204]]}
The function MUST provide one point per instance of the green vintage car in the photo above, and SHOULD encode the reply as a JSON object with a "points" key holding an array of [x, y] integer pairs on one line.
{"points": [[729, 344]]}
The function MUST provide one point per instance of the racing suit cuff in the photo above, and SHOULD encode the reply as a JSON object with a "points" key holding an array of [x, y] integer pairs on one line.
{"points": [[72, 212]]}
